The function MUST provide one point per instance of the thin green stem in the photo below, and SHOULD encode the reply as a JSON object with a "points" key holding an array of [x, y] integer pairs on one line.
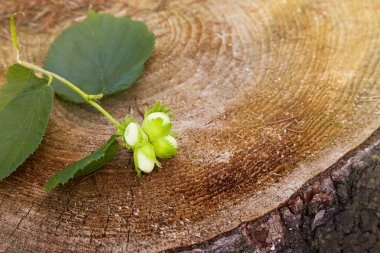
{"points": [[59, 78], [104, 112], [89, 98], [50, 80]]}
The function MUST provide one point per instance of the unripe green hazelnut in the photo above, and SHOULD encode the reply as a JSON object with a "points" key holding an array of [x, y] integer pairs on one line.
{"points": [[165, 147], [156, 125]]}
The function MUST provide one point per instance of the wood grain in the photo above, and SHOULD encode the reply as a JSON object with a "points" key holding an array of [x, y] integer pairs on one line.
{"points": [[266, 95], [334, 212]]}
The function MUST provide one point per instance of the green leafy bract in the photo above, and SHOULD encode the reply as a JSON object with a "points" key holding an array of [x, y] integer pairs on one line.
{"points": [[123, 125], [101, 55], [87, 165], [25, 105], [157, 107]]}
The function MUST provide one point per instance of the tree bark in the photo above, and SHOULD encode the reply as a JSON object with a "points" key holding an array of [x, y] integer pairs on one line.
{"points": [[267, 95], [338, 211]]}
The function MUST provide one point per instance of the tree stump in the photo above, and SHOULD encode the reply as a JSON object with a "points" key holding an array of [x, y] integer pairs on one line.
{"points": [[267, 95], [335, 212]]}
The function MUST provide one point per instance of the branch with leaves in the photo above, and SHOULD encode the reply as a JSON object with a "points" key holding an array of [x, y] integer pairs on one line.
{"points": [[101, 56]]}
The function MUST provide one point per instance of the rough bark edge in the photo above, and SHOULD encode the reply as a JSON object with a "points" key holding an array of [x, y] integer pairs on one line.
{"points": [[337, 211]]}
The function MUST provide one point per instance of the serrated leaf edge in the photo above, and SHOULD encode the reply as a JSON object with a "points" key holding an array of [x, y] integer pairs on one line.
{"points": [[102, 155], [34, 147]]}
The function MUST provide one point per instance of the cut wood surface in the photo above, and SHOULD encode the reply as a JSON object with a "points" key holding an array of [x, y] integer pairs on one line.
{"points": [[266, 95], [334, 212]]}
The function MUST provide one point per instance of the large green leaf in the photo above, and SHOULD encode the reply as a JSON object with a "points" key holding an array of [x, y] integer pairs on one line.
{"points": [[87, 165], [102, 54], [25, 105]]}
